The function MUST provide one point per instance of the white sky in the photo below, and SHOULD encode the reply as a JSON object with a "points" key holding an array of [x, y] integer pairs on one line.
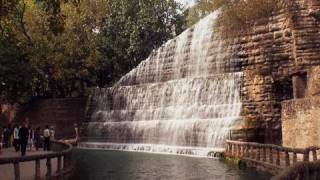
{"points": [[187, 2]]}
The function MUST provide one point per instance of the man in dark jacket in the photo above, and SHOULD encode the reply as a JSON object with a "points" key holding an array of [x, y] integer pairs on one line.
{"points": [[23, 137], [37, 138], [6, 136]]}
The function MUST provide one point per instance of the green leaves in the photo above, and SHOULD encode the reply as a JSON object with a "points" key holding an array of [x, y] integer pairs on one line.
{"points": [[15, 74], [130, 30], [61, 48]]}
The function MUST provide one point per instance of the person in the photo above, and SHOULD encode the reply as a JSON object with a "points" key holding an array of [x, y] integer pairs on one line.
{"points": [[5, 135], [16, 143], [31, 138], [76, 129], [37, 138], [1, 141], [10, 140], [23, 137], [46, 136], [52, 133]]}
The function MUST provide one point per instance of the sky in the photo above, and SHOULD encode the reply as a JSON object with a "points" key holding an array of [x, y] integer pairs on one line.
{"points": [[187, 2]]}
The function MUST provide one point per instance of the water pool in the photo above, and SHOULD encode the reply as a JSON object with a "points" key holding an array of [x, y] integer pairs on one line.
{"points": [[105, 165]]}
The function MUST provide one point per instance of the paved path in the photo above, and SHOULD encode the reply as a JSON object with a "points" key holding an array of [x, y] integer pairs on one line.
{"points": [[27, 169], [12, 153]]}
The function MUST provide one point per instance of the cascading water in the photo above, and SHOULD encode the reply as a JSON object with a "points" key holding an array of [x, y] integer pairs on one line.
{"points": [[182, 99]]}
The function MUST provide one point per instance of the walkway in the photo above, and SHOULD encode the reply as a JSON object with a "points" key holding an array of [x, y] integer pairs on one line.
{"points": [[27, 169]]}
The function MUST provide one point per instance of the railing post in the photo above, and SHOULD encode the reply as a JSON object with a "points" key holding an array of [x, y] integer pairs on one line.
{"points": [[294, 157], [236, 150], [49, 169], [252, 152], [271, 156], [16, 171], [247, 150], [242, 150], [264, 156], [247, 154], [258, 153], [278, 157], [37, 169], [314, 155], [287, 158], [65, 162], [228, 148], [58, 165], [239, 150], [306, 155]]}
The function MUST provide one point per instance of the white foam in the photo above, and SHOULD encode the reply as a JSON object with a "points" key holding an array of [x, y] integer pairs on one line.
{"points": [[155, 149]]}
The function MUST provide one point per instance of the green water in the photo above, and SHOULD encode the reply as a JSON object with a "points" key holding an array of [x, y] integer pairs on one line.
{"points": [[105, 165]]}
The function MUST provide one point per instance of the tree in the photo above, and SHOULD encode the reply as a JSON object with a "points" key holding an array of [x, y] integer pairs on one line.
{"points": [[15, 71], [61, 48], [65, 58], [130, 30]]}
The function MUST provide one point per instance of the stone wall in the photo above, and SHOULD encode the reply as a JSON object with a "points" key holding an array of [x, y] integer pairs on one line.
{"points": [[60, 113], [301, 122], [313, 88], [7, 113], [288, 42], [301, 117]]}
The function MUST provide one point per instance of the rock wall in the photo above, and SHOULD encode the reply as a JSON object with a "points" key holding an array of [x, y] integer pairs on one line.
{"points": [[62, 114], [7, 113], [285, 44], [300, 117], [301, 122]]}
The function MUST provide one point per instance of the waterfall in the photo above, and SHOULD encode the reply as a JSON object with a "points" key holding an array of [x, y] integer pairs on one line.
{"points": [[182, 99]]}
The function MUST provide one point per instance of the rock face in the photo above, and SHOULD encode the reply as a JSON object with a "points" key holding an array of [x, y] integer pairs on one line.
{"points": [[300, 123], [284, 45], [188, 91], [7, 113], [300, 116]]}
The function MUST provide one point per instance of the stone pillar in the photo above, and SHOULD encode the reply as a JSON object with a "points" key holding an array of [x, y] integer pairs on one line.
{"points": [[300, 85]]}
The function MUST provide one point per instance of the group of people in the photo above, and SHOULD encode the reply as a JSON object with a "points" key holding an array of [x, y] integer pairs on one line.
{"points": [[23, 136]]}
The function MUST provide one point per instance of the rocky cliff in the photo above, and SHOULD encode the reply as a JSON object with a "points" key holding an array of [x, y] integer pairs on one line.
{"points": [[285, 44]]}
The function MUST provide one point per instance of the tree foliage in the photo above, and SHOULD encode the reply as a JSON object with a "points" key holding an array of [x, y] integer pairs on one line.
{"points": [[60, 48], [236, 16], [130, 30]]}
